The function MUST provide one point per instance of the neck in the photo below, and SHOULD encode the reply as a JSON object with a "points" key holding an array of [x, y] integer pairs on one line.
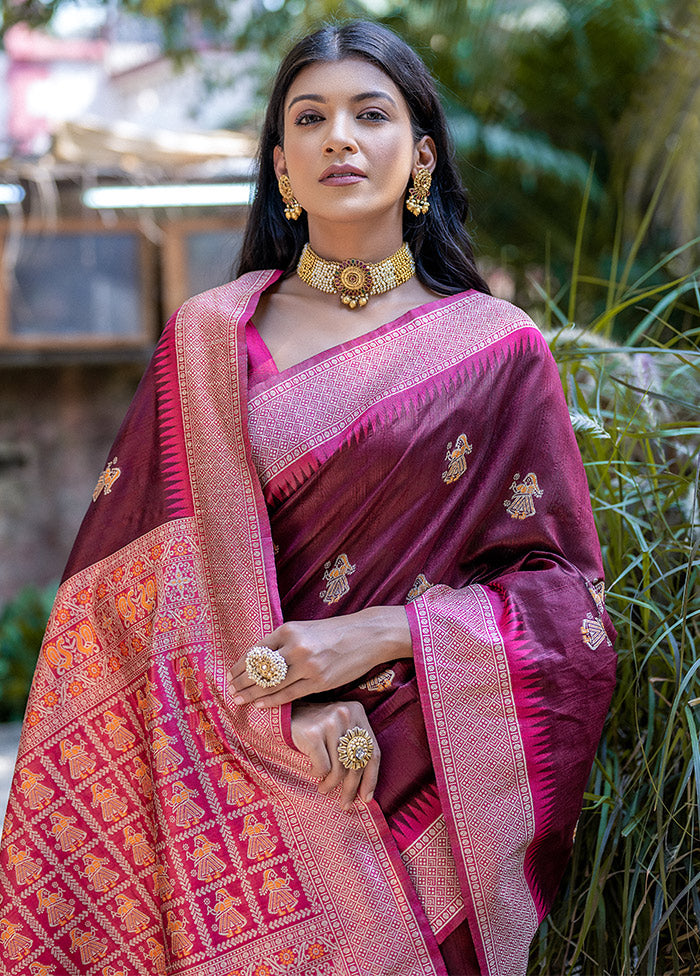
{"points": [[339, 242]]}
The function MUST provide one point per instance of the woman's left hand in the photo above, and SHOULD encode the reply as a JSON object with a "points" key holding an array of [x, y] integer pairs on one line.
{"points": [[325, 654]]}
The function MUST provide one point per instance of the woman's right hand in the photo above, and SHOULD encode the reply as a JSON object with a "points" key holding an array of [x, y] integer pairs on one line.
{"points": [[316, 729]]}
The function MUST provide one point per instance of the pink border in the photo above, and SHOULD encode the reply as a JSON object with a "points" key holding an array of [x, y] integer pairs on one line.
{"points": [[343, 347], [226, 309], [499, 933]]}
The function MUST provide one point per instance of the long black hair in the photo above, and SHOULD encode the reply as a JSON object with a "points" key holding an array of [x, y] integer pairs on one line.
{"points": [[439, 241]]}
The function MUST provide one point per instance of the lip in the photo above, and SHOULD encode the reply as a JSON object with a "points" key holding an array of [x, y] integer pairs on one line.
{"points": [[342, 175]]}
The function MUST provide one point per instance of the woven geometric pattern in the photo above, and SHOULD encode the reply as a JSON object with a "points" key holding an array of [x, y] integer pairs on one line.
{"points": [[152, 828], [337, 390], [480, 763], [431, 867]]}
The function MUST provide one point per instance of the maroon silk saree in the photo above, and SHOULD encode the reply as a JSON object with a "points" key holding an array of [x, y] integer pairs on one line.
{"points": [[155, 828]]}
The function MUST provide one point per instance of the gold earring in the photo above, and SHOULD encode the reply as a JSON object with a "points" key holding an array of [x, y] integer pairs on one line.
{"points": [[292, 208], [417, 201]]}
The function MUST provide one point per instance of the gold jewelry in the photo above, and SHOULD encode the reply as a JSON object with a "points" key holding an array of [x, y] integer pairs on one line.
{"points": [[292, 207], [417, 200], [354, 280], [265, 667], [355, 748]]}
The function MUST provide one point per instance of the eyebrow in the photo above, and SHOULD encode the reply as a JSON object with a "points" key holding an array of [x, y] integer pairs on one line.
{"points": [[361, 97]]}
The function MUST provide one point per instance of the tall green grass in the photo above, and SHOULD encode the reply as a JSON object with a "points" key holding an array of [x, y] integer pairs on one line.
{"points": [[630, 903]]}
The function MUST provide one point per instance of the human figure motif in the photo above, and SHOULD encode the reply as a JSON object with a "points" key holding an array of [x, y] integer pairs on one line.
{"points": [[230, 921], [36, 794], [143, 777], [166, 758], [133, 918], [380, 682], [180, 942], [336, 576], [25, 868], [260, 844], [69, 838], [421, 584], [112, 806], [90, 947], [162, 885], [184, 808], [238, 790], [58, 910], [209, 866], [140, 848], [122, 739], [80, 764], [102, 878], [522, 505], [457, 459], [281, 900], [146, 701], [212, 742], [106, 479], [188, 677], [14, 944], [39, 969], [156, 953], [597, 591]]}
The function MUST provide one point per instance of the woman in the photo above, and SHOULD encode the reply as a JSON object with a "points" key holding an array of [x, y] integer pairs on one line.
{"points": [[330, 661]]}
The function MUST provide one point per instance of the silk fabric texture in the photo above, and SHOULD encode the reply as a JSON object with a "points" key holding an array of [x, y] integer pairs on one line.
{"points": [[153, 826]]}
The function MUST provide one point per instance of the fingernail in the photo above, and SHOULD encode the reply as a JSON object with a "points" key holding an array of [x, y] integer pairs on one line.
{"points": [[369, 797], [238, 700]]}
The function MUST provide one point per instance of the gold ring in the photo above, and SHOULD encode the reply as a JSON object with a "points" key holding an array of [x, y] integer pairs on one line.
{"points": [[265, 667], [355, 748]]}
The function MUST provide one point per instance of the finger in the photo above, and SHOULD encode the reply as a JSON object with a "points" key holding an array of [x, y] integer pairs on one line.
{"points": [[288, 693], [246, 689], [337, 774], [240, 683], [267, 698], [272, 641], [370, 775], [320, 760], [351, 784]]}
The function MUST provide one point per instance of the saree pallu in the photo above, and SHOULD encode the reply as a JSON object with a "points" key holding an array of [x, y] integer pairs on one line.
{"points": [[153, 827]]}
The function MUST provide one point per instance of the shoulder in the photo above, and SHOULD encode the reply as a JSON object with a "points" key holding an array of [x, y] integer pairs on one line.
{"points": [[478, 307], [479, 325]]}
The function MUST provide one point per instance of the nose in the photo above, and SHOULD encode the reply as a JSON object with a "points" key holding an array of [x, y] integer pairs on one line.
{"points": [[339, 136]]}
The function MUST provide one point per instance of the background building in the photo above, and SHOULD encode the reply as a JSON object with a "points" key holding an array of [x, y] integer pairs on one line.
{"points": [[87, 283]]}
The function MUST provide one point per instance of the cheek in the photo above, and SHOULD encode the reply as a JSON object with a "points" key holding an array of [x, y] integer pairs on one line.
{"points": [[398, 159]]}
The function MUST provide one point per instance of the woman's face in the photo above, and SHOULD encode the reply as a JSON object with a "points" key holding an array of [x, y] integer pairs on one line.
{"points": [[348, 148]]}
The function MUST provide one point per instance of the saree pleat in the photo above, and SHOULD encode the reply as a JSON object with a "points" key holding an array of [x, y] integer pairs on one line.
{"points": [[153, 827]]}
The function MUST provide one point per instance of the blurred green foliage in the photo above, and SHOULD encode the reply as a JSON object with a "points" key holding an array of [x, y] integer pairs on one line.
{"points": [[630, 903], [22, 625]]}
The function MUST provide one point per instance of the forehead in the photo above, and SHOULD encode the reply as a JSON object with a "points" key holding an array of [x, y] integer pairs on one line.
{"points": [[351, 76]]}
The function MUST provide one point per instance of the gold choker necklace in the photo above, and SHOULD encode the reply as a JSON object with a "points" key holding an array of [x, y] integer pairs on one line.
{"points": [[354, 280]]}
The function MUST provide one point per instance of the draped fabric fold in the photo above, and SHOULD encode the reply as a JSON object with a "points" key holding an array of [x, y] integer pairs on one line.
{"points": [[153, 827]]}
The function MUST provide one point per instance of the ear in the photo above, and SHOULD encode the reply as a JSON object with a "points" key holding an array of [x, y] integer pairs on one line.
{"points": [[279, 162], [425, 155]]}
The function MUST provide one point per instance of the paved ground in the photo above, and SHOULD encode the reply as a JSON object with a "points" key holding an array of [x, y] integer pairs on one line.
{"points": [[9, 740]]}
